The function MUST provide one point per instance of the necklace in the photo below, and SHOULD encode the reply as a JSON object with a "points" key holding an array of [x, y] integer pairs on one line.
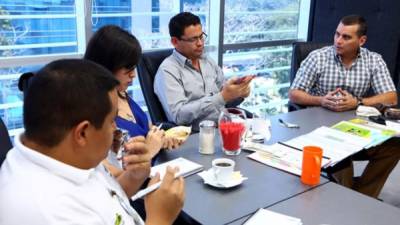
{"points": [[124, 109], [129, 117]]}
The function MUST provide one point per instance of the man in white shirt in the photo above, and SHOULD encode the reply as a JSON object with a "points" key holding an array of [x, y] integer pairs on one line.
{"points": [[53, 175]]}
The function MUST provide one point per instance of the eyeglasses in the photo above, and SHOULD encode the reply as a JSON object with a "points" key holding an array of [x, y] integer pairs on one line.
{"points": [[192, 40]]}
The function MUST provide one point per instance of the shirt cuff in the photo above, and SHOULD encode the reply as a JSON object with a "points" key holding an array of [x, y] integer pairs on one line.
{"points": [[218, 100]]}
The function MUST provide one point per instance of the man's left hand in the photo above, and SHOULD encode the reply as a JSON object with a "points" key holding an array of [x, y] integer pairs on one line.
{"points": [[345, 102], [137, 161]]}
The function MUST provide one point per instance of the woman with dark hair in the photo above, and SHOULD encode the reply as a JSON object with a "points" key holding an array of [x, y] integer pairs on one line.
{"points": [[120, 52]]}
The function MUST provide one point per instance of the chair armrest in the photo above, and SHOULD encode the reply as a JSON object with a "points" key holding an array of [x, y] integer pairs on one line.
{"points": [[294, 107]]}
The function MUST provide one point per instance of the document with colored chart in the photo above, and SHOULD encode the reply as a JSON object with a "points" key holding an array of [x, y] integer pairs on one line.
{"points": [[375, 134], [336, 145], [279, 156], [344, 138]]}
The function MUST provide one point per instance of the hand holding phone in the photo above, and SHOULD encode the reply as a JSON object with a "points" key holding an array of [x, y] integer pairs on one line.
{"points": [[244, 78]]}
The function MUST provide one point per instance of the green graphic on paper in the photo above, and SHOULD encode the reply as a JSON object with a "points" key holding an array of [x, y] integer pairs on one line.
{"points": [[352, 129]]}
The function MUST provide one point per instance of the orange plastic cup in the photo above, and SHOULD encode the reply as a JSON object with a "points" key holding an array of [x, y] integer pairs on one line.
{"points": [[311, 166]]}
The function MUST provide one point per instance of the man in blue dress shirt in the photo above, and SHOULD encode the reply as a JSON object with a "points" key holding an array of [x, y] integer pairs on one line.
{"points": [[190, 85]]}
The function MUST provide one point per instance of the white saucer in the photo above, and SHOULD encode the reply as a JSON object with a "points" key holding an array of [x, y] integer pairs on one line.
{"points": [[209, 178]]}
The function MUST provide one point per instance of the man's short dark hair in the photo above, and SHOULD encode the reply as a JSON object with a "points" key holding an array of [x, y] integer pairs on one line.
{"points": [[64, 93], [114, 48], [356, 19], [180, 21]]}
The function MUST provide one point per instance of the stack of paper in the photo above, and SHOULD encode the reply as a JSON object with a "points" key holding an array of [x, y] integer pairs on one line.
{"points": [[335, 144], [186, 167], [264, 216], [279, 156], [374, 133], [344, 138]]}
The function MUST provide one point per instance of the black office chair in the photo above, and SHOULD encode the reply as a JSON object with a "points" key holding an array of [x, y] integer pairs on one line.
{"points": [[5, 142], [147, 69], [299, 53]]}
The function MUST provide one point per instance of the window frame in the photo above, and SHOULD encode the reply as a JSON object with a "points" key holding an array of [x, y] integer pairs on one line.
{"points": [[215, 47]]}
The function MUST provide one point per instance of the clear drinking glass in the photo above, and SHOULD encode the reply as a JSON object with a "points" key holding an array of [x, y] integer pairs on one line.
{"points": [[232, 125], [121, 137]]}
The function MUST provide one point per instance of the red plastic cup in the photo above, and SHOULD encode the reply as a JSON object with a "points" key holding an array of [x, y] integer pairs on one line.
{"points": [[231, 134]]}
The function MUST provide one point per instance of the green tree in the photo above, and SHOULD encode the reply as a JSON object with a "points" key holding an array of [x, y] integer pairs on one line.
{"points": [[5, 26]]}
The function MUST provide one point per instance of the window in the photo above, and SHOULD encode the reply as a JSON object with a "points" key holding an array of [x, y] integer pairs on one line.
{"points": [[148, 21], [30, 29], [260, 20], [245, 36], [271, 65], [257, 38]]}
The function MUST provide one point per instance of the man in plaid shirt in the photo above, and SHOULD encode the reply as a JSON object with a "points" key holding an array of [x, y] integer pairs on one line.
{"points": [[340, 78]]}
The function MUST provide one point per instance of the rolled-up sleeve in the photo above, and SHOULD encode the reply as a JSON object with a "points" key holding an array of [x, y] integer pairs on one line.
{"points": [[306, 75], [381, 80]]}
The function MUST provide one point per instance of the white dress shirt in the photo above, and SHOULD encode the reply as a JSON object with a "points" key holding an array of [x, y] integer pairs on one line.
{"points": [[37, 189]]}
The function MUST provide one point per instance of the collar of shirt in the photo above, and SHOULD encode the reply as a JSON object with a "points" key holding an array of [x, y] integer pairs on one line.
{"points": [[339, 59], [182, 60], [61, 169]]}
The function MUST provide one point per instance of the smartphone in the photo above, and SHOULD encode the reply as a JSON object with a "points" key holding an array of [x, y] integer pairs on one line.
{"points": [[242, 79], [378, 119]]}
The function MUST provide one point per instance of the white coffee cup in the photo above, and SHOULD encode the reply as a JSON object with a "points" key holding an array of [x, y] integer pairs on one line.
{"points": [[223, 169]]}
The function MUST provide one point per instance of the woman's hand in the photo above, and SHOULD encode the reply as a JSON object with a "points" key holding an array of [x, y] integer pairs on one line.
{"points": [[154, 140], [171, 143]]}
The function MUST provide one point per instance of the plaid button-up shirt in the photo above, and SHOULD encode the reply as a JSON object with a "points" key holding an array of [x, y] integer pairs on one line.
{"points": [[323, 71]]}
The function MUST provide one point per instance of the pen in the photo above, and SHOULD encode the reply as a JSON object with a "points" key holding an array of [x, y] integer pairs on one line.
{"points": [[298, 149], [149, 189], [144, 192], [288, 125]]}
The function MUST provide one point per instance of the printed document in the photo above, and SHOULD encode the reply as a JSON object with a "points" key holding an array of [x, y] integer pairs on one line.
{"points": [[265, 216], [279, 156]]}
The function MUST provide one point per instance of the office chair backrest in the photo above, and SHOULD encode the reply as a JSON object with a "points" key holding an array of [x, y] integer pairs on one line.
{"points": [[5, 142], [147, 69], [300, 52]]}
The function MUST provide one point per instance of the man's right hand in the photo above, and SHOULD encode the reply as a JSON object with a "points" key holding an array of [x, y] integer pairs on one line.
{"points": [[164, 204], [233, 90]]}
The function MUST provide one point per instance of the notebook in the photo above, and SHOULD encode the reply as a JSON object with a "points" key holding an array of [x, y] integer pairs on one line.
{"points": [[186, 167], [264, 216]]}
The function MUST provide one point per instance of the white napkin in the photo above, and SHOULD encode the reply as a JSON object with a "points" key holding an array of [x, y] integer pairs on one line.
{"points": [[363, 110]]}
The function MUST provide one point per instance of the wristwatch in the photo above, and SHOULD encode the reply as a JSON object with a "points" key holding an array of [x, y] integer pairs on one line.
{"points": [[359, 101]]}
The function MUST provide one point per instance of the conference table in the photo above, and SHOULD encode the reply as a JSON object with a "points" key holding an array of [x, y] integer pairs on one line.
{"points": [[332, 204], [266, 186]]}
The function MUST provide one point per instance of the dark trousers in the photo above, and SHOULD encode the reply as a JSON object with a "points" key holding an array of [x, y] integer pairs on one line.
{"points": [[382, 160]]}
